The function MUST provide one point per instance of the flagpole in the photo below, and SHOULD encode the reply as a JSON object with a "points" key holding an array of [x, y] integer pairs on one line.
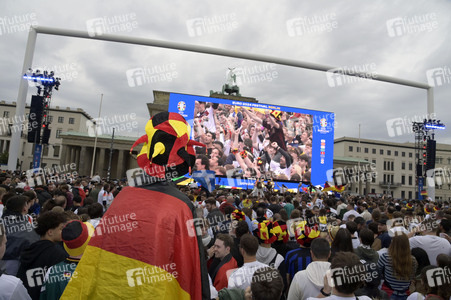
{"points": [[358, 172]]}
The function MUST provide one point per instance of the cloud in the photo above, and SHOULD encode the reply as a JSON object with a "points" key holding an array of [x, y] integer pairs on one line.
{"points": [[361, 37]]}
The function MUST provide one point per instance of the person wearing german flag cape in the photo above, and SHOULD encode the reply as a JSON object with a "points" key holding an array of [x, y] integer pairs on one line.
{"points": [[162, 256]]}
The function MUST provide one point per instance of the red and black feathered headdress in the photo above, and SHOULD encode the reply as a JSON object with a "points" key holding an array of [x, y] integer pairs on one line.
{"points": [[167, 146]]}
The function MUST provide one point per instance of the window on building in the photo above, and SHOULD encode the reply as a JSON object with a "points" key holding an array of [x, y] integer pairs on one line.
{"points": [[410, 180], [373, 151], [56, 151], [45, 150], [410, 154], [350, 148], [373, 191], [71, 120], [385, 165], [366, 150], [358, 149], [403, 166], [438, 160], [403, 154], [403, 179], [449, 160], [382, 152], [396, 153], [58, 132], [373, 161], [6, 114], [403, 194], [410, 194], [410, 166], [60, 119], [50, 119], [392, 166], [388, 152]]}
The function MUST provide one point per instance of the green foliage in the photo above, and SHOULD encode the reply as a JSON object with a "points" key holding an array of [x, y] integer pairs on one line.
{"points": [[4, 158]]}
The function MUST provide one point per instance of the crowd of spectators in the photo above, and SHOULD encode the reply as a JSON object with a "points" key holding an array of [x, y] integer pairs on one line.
{"points": [[266, 245], [253, 143]]}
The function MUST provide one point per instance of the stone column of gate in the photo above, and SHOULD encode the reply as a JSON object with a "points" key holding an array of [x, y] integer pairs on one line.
{"points": [[63, 155], [77, 159], [120, 171], [100, 159], [71, 154], [360, 186], [368, 183], [83, 161]]}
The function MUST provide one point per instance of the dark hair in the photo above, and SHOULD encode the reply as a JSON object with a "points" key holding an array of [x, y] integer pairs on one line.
{"points": [[446, 224], [16, 203], [82, 210], [351, 226], [283, 214], [51, 203], [422, 258], [249, 244], [345, 262], [267, 284], [260, 212], [88, 201], [49, 220], [77, 199], [373, 227], [95, 210], [359, 221], [30, 194], [204, 161], [227, 239], [376, 215], [219, 143], [342, 241], [228, 210], [320, 248], [241, 228], [367, 236], [211, 201]]}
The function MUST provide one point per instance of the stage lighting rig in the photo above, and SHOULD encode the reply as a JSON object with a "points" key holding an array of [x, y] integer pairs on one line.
{"points": [[44, 82]]}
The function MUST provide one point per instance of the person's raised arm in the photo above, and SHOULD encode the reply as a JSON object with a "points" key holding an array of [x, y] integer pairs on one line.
{"points": [[273, 122], [252, 116]]}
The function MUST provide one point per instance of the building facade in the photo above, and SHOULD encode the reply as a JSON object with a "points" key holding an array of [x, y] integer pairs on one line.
{"points": [[62, 120], [394, 165]]}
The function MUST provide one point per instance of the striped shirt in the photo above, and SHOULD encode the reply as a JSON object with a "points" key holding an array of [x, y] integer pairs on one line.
{"points": [[297, 260], [385, 265]]}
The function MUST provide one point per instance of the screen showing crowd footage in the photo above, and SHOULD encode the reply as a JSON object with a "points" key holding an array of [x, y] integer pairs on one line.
{"points": [[251, 142]]}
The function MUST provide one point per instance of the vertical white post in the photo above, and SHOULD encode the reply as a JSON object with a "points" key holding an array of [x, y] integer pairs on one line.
{"points": [[21, 99], [95, 140]]}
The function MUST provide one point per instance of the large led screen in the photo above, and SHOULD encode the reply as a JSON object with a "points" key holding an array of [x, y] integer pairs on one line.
{"points": [[246, 140]]}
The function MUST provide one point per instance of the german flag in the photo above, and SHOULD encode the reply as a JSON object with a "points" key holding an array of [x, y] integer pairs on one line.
{"points": [[424, 193], [140, 253], [333, 188]]}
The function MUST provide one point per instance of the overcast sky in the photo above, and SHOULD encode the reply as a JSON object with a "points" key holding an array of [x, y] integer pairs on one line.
{"points": [[407, 39]]}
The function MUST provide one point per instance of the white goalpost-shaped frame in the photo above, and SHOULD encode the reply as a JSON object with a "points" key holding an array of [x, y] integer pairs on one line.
{"points": [[31, 44]]}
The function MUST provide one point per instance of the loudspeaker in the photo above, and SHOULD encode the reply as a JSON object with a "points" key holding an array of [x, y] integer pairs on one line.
{"points": [[35, 119]]}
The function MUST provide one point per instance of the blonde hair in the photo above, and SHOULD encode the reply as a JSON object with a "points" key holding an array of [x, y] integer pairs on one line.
{"points": [[399, 251]]}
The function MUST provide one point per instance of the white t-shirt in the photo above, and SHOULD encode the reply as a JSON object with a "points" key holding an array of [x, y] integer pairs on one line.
{"points": [[355, 242], [242, 277], [333, 297], [12, 287], [433, 245], [415, 296], [350, 212]]}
